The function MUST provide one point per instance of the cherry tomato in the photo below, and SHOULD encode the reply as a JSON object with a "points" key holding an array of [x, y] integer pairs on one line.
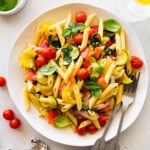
{"points": [[15, 123], [91, 128], [78, 38], [40, 61], [136, 62], [52, 115], [52, 53], [86, 64], [8, 114], [103, 119], [80, 17], [81, 131], [2, 81], [30, 76], [97, 52], [44, 44], [93, 29], [109, 43], [101, 81], [82, 73]]}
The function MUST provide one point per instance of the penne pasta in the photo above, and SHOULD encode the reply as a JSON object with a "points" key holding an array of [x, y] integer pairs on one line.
{"points": [[61, 64], [92, 101], [80, 84], [118, 44], [119, 94], [101, 28], [105, 39], [89, 20], [123, 41], [113, 46], [107, 65], [58, 54], [56, 86], [85, 123], [26, 99], [71, 117], [78, 64]]}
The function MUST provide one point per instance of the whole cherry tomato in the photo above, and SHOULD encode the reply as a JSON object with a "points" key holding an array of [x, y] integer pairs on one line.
{"points": [[103, 119], [109, 43], [81, 131], [93, 29], [52, 115], [101, 81], [15, 123], [77, 38], [82, 73], [2, 81], [91, 128], [136, 62], [8, 114], [40, 61], [80, 17], [44, 44]]}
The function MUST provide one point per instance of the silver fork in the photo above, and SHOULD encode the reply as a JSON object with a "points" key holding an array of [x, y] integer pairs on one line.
{"points": [[128, 100]]}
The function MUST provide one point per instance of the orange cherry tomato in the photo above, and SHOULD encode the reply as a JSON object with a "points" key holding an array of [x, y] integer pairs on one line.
{"points": [[97, 52], [2, 81], [52, 115], [101, 81], [83, 73], [30, 76], [77, 38], [136, 62], [80, 17]]}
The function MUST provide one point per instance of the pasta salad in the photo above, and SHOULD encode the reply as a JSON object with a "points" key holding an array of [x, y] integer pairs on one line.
{"points": [[75, 71]]}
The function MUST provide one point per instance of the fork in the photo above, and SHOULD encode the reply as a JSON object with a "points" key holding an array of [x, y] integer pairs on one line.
{"points": [[127, 101]]}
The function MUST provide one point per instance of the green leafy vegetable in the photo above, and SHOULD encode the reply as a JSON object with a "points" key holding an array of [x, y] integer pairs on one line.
{"points": [[96, 40], [66, 54], [47, 69], [92, 86], [73, 29], [111, 25], [95, 93], [61, 121], [54, 41], [97, 67], [109, 51]]}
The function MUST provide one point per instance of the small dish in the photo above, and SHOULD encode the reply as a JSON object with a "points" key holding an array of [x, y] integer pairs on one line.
{"points": [[18, 7]]}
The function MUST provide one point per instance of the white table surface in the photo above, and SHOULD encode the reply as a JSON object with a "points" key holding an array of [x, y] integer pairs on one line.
{"points": [[137, 137]]}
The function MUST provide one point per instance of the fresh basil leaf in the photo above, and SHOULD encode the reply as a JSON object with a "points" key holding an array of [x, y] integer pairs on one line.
{"points": [[112, 25], [47, 69], [61, 121], [92, 86], [96, 40], [95, 93], [74, 31], [66, 54], [71, 25], [109, 51], [80, 26], [67, 32], [54, 41], [97, 67]]}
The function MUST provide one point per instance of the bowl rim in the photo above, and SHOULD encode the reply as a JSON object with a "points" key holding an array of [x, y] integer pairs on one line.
{"points": [[103, 9], [18, 7]]}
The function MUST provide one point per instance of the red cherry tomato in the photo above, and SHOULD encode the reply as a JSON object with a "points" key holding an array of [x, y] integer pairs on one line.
{"points": [[109, 43], [52, 115], [44, 44], [81, 131], [40, 61], [91, 128], [136, 62], [86, 64], [52, 53], [103, 119], [78, 38], [15, 123], [101, 81], [93, 29], [8, 114], [82, 73], [80, 17], [30, 76], [2, 81]]}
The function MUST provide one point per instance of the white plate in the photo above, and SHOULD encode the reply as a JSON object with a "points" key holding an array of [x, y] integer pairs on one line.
{"points": [[15, 78]]}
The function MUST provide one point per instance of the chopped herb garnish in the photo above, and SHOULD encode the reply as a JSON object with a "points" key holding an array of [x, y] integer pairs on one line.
{"points": [[92, 86], [54, 41], [96, 40], [95, 93], [66, 54], [109, 51]]}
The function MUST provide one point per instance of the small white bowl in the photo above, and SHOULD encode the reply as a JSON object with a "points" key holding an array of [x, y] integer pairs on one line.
{"points": [[17, 8]]}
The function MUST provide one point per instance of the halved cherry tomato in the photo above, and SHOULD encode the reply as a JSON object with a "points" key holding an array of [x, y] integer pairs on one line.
{"points": [[97, 52], [8, 114], [30, 76], [52, 53], [77, 38], [2, 81], [91, 128], [86, 64], [101, 81], [52, 115], [93, 29], [103, 119], [40, 61], [80, 17], [136, 62], [82, 73], [15, 123], [44, 44], [81, 131], [109, 43]]}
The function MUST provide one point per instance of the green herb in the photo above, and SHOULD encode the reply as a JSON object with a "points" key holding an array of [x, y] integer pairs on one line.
{"points": [[97, 67], [61, 121], [85, 108], [95, 93], [109, 51], [66, 54], [111, 25], [96, 40], [92, 86], [47, 69], [54, 41], [73, 29]]}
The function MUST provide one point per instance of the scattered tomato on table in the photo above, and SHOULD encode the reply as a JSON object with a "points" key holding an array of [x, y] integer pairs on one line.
{"points": [[15, 123], [2, 81]]}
